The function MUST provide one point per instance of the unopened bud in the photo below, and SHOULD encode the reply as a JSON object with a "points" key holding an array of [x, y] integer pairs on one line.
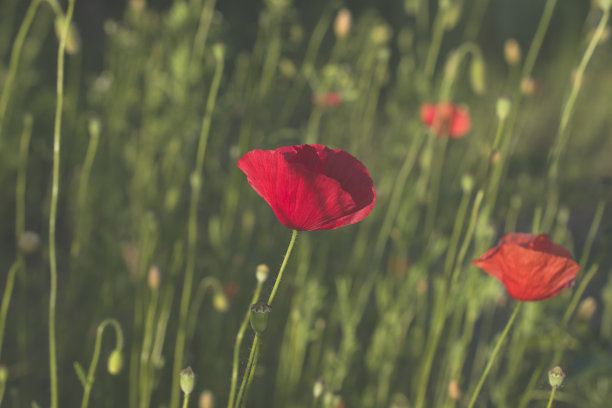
{"points": [[528, 86], [28, 242], [503, 108], [207, 400], [3, 376], [115, 362], [259, 316], [187, 380], [512, 52], [477, 75], [73, 39], [604, 4], [454, 392], [94, 126], [153, 278], [555, 377], [380, 34], [262, 272], [467, 183], [219, 51], [220, 302], [342, 24], [318, 387], [586, 309]]}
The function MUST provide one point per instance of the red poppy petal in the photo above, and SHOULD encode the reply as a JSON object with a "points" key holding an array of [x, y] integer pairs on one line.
{"points": [[428, 113], [460, 123], [311, 187]]}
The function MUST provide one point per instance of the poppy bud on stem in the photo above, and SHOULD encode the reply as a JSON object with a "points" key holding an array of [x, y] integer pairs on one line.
{"points": [[555, 378]]}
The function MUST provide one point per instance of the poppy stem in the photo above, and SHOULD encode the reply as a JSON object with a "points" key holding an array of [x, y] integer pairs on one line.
{"points": [[494, 354], [552, 397], [282, 268]]}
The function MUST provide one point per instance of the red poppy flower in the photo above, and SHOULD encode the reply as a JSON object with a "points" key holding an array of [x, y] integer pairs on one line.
{"points": [[327, 100], [531, 267], [311, 187], [446, 119]]}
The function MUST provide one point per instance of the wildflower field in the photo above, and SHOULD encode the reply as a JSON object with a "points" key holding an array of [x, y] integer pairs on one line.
{"points": [[319, 204]]}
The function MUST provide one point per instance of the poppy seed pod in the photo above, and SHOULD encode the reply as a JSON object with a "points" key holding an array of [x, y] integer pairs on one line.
{"points": [[187, 380], [259, 316], [556, 377]]}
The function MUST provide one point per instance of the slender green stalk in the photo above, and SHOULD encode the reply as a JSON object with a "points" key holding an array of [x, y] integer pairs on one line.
{"points": [[252, 373], [20, 190], [6, 298], [207, 282], [552, 397], [568, 109], [88, 382], [252, 363], [282, 268], [186, 401], [500, 341], [196, 185], [239, 336], [14, 61], [434, 47], [54, 198], [586, 251], [538, 38]]}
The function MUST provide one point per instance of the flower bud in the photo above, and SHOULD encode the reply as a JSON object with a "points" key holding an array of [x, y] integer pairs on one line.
{"points": [[381, 34], [318, 388], [153, 278], [586, 309], [528, 87], [115, 362], [477, 75], [94, 125], [219, 51], [342, 24], [73, 39], [220, 302], [28, 242], [555, 377], [604, 4], [3, 376], [454, 392], [503, 108], [512, 52], [262, 272], [187, 380], [467, 183], [259, 316], [207, 400]]}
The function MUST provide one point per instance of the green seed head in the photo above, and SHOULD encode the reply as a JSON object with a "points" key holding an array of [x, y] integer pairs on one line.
{"points": [[555, 377], [187, 380], [259, 316]]}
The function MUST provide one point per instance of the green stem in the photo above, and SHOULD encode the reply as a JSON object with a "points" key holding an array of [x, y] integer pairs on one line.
{"points": [[6, 299], [251, 374], [96, 356], [538, 38], [494, 354], [54, 198], [192, 231], [239, 337], [248, 371], [568, 109], [552, 397], [20, 190], [14, 61], [186, 401], [282, 268], [434, 47], [207, 282]]}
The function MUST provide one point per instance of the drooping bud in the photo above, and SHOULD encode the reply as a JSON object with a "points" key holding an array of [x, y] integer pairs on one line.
{"points": [[73, 39], [555, 377], [512, 52], [318, 387], [259, 316], [477, 74], [153, 278], [207, 400], [115, 362], [467, 183], [219, 51], [220, 302], [503, 108], [343, 22], [28, 242], [262, 272], [187, 380], [586, 309], [454, 392]]}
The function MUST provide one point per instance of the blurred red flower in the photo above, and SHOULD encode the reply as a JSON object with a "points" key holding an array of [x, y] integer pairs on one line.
{"points": [[446, 119], [327, 99], [311, 187], [531, 267]]}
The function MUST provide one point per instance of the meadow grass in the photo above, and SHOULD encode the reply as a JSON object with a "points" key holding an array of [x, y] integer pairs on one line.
{"points": [[144, 223]]}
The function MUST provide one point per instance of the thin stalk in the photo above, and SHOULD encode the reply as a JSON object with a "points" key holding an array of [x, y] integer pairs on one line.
{"points": [[552, 397], [186, 400], [6, 298], [586, 251], [538, 38], [239, 336], [192, 230], [96, 356], [14, 61], [500, 341], [251, 374], [434, 47], [255, 348], [20, 190], [54, 198], [568, 109]]}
